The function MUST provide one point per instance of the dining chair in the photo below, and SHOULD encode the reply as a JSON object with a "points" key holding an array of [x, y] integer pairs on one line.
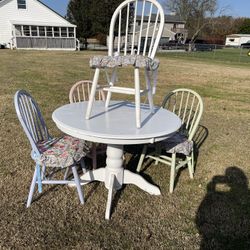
{"points": [[134, 35], [79, 92], [177, 151], [49, 153]]}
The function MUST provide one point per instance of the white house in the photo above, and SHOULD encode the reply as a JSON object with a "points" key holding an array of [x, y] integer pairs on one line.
{"points": [[30, 24], [237, 39]]}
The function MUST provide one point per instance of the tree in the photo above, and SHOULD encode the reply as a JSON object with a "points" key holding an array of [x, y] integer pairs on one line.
{"points": [[92, 17], [79, 13], [219, 28], [245, 26], [197, 14]]}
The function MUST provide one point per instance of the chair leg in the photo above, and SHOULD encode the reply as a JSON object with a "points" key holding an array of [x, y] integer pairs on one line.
{"points": [[142, 157], [192, 159], [108, 98], [43, 171], [93, 155], [190, 169], [92, 93], [32, 188], [111, 83], [150, 94], [172, 173], [158, 152], [78, 185], [66, 173], [137, 99], [83, 166]]}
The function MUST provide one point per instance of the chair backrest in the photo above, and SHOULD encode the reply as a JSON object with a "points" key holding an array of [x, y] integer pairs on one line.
{"points": [[80, 91], [31, 119], [188, 105], [136, 28]]}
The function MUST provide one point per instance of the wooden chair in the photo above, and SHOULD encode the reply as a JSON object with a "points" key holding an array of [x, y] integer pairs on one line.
{"points": [[188, 105], [48, 152], [80, 91], [131, 42]]}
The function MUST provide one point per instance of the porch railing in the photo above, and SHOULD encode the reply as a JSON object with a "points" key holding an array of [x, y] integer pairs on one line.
{"points": [[45, 43]]}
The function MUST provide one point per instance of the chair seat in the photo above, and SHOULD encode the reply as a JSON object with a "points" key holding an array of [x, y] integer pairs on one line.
{"points": [[137, 61], [178, 143], [62, 152]]}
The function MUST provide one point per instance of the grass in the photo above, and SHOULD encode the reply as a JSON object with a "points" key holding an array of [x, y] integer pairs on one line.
{"points": [[210, 212], [221, 55]]}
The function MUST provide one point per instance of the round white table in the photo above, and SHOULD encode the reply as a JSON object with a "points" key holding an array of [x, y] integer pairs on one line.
{"points": [[115, 127]]}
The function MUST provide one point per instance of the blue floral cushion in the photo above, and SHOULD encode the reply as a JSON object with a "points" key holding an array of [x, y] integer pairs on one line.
{"points": [[62, 152]]}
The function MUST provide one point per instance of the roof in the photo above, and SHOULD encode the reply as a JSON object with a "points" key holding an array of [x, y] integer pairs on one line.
{"points": [[238, 35], [22, 22]]}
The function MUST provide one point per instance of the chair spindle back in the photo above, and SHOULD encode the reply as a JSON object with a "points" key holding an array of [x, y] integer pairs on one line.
{"points": [[30, 118], [188, 105], [136, 28], [80, 91]]}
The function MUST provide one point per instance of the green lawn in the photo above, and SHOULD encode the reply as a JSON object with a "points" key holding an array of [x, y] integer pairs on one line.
{"points": [[230, 56], [212, 211]]}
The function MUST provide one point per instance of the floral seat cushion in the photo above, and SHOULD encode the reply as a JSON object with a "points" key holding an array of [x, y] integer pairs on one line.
{"points": [[62, 152], [178, 143], [137, 61]]}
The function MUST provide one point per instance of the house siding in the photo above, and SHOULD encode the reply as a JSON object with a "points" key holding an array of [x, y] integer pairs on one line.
{"points": [[35, 13]]}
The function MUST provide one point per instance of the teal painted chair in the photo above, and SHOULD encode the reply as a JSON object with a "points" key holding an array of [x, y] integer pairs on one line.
{"points": [[178, 150]]}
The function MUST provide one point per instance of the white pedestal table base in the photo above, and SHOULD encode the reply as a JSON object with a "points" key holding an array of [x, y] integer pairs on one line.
{"points": [[114, 176]]}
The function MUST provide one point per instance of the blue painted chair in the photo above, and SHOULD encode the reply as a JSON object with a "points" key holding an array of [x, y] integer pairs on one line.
{"points": [[48, 152]]}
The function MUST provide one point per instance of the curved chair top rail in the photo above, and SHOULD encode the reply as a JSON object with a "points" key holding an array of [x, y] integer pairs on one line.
{"points": [[136, 27], [188, 105], [80, 91], [31, 119]]}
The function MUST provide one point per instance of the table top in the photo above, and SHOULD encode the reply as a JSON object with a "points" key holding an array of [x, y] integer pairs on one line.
{"points": [[116, 125]]}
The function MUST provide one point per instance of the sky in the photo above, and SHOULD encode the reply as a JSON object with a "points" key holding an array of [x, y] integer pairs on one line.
{"points": [[236, 8]]}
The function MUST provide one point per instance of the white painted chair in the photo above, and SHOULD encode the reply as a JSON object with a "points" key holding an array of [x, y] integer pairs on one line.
{"points": [[48, 152], [79, 92], [188, 105], [131, 42]]}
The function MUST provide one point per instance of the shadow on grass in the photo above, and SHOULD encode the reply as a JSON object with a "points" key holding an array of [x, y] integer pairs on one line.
{"points": [[223, 217], [199, 138]]}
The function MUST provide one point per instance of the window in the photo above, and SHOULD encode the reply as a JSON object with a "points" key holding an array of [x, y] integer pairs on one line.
{"points": [[71, 32], [26, 30], [33, 30], [63, 32], [56, 32], [231, 40], [41, 31], [21, 4], [18, 30], [49, 31]]}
